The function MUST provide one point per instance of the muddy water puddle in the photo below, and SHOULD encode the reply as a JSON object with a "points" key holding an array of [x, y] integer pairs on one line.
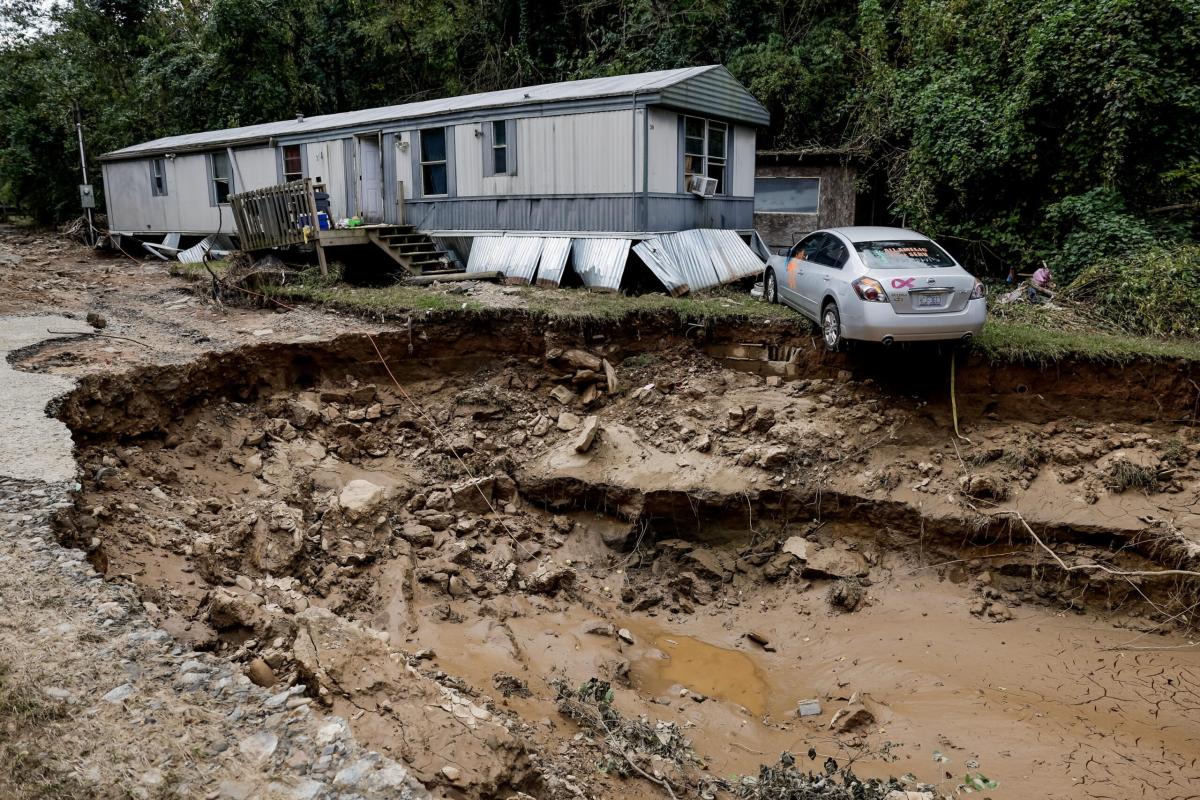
{"points": [[673, 660]]}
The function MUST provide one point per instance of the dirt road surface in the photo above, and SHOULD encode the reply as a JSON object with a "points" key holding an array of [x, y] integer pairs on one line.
{"points": [[387, 575]]}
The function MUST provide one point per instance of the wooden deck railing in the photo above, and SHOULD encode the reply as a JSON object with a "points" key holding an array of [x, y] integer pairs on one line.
{"points": [[275, 216]]}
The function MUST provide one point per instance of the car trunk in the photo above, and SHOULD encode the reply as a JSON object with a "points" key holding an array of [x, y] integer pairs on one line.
{"points": [[934, 290]]}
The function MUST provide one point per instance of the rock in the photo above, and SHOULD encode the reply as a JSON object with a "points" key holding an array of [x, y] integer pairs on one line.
{"points": [[549, 578], [847, 594], [568, 421], [852, 717], [833, 562], [477, 495], [261, 674], [610, 376], [541, 425], [983, 486], [796, 546], [779, 566], [581, 359], [708, 564], [259, 747], [900, 794], [600, 628], [563, 395], [587, 436], [244, 582], [360, 498], [118, 694], [760, 640], [625, 636], [96, 321], [451, 773], [775, 457]]}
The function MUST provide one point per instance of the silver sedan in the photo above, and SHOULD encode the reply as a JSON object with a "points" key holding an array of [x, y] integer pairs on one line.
{"points": [[877, 284]]}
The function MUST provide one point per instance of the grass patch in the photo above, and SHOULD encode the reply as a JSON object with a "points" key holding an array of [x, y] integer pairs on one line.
{"points": [[612, 307], [1005, 340], [1124, 474], [197, 271], [377, 300], [26, 734]]}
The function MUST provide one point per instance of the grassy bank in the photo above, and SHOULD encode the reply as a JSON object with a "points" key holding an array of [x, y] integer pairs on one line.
{"points": [[1020, 332]]}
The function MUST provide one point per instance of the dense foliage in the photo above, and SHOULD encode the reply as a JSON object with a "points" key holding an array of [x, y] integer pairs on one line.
{"points": [[1055, 129], [1153, 290]]}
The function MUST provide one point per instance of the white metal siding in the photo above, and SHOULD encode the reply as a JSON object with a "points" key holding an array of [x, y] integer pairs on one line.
{"points": [[664, 151], [405, 142], [743, 161], [568, 154], [327, 163], [185, 207]]}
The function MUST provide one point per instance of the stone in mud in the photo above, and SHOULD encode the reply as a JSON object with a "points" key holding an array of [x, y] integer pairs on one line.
{"points": [[303, 413], [261, 674], [416, 534], [563, 395], [610, 376], [278, 538], [983, 486], [586, 376], [796, 546], [853, 717], [847, 594], [600, 628], [542, 425], [833, 562], [549, 578], [775, 457], [587, 436], [474, 495], [709, 564], [567, 421], [360, 498], [581, 359], [780, 566]]}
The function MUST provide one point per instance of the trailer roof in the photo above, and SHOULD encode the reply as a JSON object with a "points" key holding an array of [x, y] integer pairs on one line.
{"points": [[709, 89]]}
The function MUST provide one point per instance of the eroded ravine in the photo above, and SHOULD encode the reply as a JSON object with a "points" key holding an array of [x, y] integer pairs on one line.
{"points": [[289, 507]]}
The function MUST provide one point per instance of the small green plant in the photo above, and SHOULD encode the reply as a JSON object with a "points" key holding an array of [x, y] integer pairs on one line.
{"points": [[1146, 289], [1124, 474]]}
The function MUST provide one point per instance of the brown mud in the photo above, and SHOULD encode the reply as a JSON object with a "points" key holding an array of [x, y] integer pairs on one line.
{"points": [[754, 525]]}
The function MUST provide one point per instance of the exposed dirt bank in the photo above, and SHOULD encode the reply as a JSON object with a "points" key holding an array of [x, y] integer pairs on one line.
{"points": [[719, 543]]}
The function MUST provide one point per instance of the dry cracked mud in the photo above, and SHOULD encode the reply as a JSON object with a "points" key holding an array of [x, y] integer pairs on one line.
{"points": [[455, 534]]}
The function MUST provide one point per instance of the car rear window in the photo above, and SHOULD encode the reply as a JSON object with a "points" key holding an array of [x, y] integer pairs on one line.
{"points": [[901, 253]]}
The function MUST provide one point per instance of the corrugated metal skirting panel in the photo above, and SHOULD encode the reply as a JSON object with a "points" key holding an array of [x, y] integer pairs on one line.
{"points": [[554, 260], [662, 265], [600, 263], [699, 259], [515, 256]]}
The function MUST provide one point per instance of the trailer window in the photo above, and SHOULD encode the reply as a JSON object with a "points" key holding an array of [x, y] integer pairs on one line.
{"points": [[222, 178], [158, 177], [293, 163], [433, 162], [499, 147], [705, 150], [786, 195]]}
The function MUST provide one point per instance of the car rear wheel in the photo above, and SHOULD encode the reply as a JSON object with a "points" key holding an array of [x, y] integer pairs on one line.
{"points": [[831, 328], [770, 287]]}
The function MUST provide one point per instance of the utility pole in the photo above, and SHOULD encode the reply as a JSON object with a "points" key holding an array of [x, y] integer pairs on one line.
{"points": [[86, 197]]}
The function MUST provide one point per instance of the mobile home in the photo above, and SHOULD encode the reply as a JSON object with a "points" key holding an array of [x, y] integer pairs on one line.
{"points": [[630, 157]]}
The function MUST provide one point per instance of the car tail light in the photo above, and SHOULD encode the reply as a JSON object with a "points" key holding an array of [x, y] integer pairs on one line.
{"points": [[870, 290], [978, 292]]}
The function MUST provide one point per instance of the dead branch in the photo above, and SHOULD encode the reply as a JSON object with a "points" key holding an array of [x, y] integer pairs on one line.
{"points": [[1093, 567]]}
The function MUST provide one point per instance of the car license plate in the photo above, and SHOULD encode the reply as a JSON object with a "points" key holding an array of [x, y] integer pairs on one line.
{"points": [[928, 300]]}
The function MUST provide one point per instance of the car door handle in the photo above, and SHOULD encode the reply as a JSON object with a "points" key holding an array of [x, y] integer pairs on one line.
{"points": [[827, 277]]}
